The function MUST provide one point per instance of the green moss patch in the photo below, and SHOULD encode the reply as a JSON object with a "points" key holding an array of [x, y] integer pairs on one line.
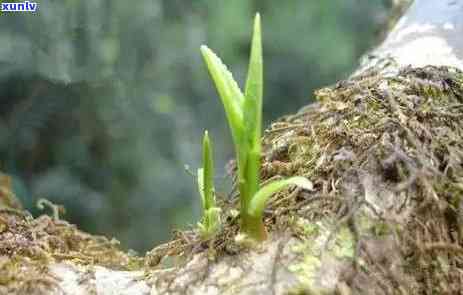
{"points": [[28, 245]]}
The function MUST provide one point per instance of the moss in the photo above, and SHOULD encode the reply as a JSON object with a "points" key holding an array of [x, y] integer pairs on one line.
{"points": [[28, 246], [385, 154], [404, 131]]}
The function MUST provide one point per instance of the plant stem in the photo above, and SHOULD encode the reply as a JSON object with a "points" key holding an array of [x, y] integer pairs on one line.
{"points": [[250, 225], [253, 227]]}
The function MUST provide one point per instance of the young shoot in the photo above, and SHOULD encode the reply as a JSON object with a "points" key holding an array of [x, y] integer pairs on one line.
{"points": [[244, 115], [210, 222]]}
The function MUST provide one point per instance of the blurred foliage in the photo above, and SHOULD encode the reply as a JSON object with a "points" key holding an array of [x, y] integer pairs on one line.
{"points": [[102, 102]]}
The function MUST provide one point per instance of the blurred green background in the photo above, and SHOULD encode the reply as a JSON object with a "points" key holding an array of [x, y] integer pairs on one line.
{"points": [[103, 102]]}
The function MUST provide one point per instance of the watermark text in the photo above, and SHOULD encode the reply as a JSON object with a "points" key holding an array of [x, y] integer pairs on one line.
{"points": [[25, 6]]}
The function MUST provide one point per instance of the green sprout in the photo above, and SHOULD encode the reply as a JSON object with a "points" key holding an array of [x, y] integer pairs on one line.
{"points": [[244, 115], [211, 213]]}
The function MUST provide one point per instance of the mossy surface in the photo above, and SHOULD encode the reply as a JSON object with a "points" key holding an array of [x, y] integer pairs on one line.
{"points": [[29, 245], [385, 154]]}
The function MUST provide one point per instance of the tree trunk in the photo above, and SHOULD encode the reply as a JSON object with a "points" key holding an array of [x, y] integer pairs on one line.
{"points": [[428, 34], [385, 152]]}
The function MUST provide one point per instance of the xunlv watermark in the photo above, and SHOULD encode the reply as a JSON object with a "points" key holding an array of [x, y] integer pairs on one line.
{"points": [[25, 6]]}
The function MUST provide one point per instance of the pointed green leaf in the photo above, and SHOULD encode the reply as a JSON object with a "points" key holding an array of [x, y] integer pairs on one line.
{"points": [[258, 201], [253, 112], [211, 214], [254, 88], [208, 173], [229, 92]]}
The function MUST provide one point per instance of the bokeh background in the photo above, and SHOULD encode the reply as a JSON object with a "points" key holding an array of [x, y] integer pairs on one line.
{"points": [[103, 102]]}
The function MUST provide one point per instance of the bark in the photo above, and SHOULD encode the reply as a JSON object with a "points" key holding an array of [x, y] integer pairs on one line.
{"points": [[428, 34], [294, 259]]}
